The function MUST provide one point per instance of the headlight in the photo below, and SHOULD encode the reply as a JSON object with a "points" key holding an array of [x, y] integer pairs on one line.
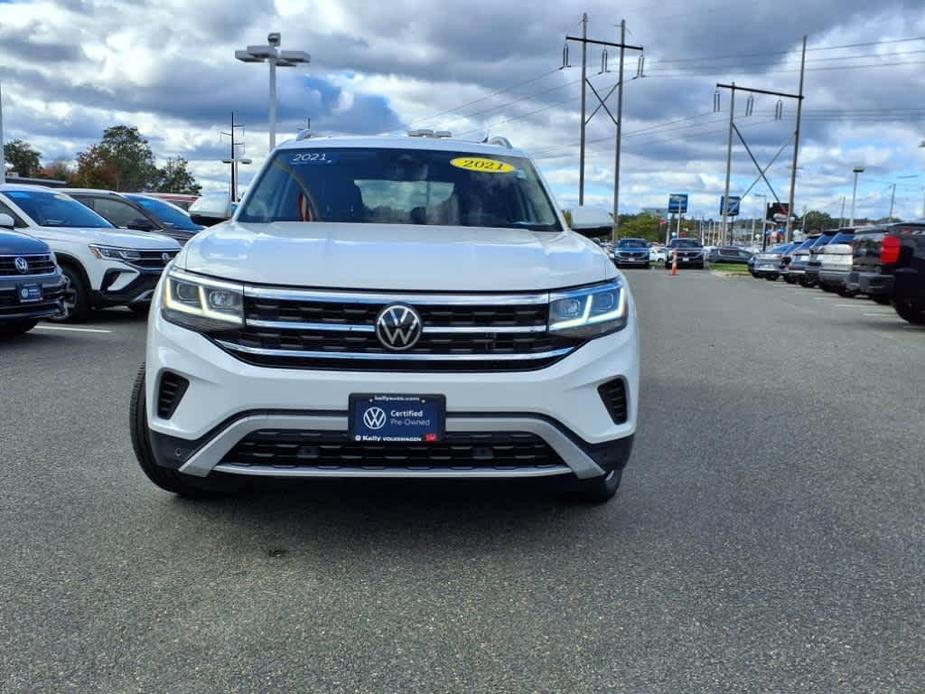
{"points": [[588, 312], [201, 303], [113, 253]]}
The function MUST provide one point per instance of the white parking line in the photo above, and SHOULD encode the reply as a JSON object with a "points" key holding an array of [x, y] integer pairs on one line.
{"points": [[74, 330], [879, 315]]}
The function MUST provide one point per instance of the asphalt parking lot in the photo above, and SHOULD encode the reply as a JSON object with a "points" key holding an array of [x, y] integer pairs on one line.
{"points": [[769, 535]]}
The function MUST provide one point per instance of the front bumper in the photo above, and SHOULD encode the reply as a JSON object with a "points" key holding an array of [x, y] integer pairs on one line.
{"points": [[12, 309], [139, 290], [631, 261], [228, 399]]}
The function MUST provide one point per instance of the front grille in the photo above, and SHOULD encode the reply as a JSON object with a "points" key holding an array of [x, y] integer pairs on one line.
{"points": [[171, 391], [38, 264], [613, 394], [304, 329], [335, 450], [153, 260]]}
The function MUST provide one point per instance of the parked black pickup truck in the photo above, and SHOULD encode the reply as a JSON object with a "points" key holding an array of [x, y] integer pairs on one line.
{"points": [[903, 251], [889, 266]]}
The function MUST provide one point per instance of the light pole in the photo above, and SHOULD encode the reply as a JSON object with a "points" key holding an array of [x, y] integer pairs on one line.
{"points": [[854, 193], [275, 57], [764, 206]]}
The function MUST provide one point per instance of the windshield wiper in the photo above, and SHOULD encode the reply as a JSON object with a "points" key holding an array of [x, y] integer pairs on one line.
{"points": [[534, 226]]}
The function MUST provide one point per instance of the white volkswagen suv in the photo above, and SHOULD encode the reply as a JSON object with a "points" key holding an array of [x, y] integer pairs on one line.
{"points": [[389, 307], [102, 265]]}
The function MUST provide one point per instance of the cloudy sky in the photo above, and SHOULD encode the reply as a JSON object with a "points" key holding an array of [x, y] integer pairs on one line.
{"points": [[71, 68]]}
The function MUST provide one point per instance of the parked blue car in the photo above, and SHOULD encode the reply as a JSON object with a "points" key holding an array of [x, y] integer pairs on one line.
{"points": [[31, 286]]}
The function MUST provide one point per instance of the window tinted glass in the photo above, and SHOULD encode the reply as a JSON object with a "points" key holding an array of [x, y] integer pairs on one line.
{"points": [[169, 215], [55, 209], [842, 238], [400, 186], [116, 211], [684, 243], [632, 243]]}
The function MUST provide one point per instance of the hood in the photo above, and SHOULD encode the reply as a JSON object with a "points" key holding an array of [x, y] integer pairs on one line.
{"points": [[12, 243], [395, 257], [123, 238]]}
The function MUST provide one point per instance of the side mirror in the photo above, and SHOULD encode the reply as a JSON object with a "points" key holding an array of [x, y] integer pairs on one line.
{"points": [[6, 222], [591, 221]]}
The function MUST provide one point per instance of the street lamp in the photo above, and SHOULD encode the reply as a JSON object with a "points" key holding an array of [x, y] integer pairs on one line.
{"points": [[276, 58], [854, 194]]}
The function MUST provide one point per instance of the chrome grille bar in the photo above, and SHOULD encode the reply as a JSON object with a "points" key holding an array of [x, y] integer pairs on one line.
{"points": [[427, 329], [362, 297], [392, 356]]}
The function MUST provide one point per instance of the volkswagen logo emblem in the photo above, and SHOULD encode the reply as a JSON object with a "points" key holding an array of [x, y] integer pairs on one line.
{"points": [[374, 418], [398, 327], [22, 265]]}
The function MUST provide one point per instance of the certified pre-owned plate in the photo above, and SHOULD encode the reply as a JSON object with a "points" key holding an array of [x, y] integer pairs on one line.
{"points": [[29, 293], [397, 418]]}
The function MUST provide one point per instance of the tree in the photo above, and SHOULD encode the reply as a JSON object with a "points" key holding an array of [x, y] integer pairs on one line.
{"points": [[641, 226], [25, 160], [818, 221], [130, 156], [95, 169], [58, 170], [176, 178]]}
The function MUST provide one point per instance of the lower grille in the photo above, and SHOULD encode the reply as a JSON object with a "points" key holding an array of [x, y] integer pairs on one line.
{"points": [[51, 298], [613, 394], [37, 265], [153, 260], [171, 391], [337, 451]]}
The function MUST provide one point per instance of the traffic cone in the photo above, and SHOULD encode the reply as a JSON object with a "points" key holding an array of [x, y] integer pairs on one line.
{"points": [[674, 265]]}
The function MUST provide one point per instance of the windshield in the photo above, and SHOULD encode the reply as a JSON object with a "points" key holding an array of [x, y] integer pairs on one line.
{"points": [[684, 243], [842, 238], [169, 215], [632, 243], [49, 209], [807, 243], [400, 186]]}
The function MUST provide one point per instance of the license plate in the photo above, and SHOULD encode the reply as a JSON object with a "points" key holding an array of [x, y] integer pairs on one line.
{"points": [[397, 418], [29, 293]]}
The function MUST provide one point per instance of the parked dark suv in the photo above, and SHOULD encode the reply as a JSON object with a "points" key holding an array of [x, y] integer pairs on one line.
{"points": [[631, 253], [120, 211], [688, 252], [31, 286]]}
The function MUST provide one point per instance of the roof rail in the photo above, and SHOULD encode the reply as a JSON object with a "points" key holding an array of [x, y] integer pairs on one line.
{"points": [[500, 141], [426, 132], [303, 134]]}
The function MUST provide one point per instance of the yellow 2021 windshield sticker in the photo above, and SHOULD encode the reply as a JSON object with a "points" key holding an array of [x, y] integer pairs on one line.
{"points": [[482, 165]]}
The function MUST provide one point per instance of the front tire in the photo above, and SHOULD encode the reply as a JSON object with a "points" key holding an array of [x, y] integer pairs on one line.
{"points": [[168, 480], [17, 328], [881, 299], [598, 490], [75, 306], [911, 311]]}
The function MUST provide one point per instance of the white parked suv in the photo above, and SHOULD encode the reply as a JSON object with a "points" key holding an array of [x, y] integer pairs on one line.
{"points": [[102, 265], [390, 307]]}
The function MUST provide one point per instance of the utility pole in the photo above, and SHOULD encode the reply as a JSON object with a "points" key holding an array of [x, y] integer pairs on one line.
{"points": [[796, 146], [841, 218], [892, 202], [234, 159], [2, 152], [584, 97], [733, 88], [616, 165], [585, 84], [732, 108]]}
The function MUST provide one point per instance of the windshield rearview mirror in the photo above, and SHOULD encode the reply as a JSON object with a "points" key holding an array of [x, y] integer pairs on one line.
{"points": [[591, 221], [6, 222]]}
